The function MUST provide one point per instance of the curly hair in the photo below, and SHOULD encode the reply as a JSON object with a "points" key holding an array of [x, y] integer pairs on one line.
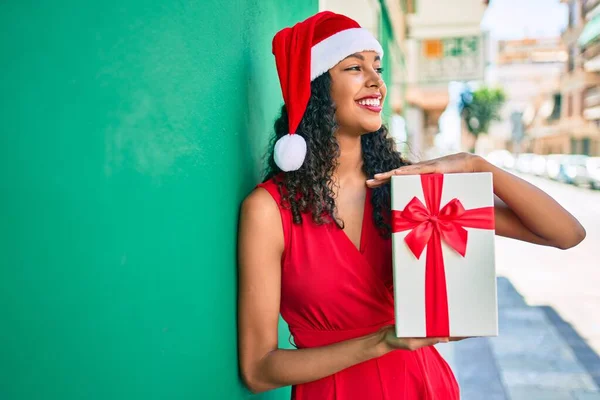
{"points": [[310, 188]]}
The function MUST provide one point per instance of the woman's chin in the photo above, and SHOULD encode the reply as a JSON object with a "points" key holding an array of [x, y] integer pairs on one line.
{"points": [[372, 126]]}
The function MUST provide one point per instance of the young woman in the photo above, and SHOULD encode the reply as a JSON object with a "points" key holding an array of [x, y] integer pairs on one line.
{"points": [[314, 237]]}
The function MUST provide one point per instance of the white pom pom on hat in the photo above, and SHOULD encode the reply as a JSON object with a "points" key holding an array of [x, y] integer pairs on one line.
{"points": [[302, 53], [290, 151]]}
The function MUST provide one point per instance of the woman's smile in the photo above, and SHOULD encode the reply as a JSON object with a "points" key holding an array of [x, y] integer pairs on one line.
{"points": [[370, 103]]}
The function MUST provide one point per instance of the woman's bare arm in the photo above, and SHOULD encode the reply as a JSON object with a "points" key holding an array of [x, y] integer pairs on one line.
{"points": [[527, 213]]}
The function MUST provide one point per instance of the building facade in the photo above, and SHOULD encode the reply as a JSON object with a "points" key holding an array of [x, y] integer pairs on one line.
{"points": [[529, 71], [445, 43], [578, 131], [589, 46]]}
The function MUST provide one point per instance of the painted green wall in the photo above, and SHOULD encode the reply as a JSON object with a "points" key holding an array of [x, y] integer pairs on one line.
{"points": [[386, 39], [131, 130]]}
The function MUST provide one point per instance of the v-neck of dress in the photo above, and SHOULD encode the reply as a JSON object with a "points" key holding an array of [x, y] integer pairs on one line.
{"points": [[363, 224]]}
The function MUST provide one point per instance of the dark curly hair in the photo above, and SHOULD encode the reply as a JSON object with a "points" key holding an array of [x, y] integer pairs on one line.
{"points": [[310, 188]]}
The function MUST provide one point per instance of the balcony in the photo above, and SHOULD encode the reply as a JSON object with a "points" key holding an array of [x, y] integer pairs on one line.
{"points": [[591, 103], [544, 130], [590, 8], [591, 57], [592, 97], [591, 51]]}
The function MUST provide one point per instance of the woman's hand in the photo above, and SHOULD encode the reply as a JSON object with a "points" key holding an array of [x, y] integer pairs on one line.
{"points": [[460, 162], [391, 342]]}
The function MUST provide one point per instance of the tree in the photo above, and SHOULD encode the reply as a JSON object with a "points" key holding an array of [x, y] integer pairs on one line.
{"points": [[480, 108]]}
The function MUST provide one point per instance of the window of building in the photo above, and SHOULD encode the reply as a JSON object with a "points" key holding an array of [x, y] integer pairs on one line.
{"points": [[573, 146], [571, 61], [557, 105], [585, 146]]}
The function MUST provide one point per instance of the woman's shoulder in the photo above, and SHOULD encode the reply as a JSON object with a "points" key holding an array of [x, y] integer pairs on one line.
{"points": [[265, 195], [274, 186], [260, 206]]}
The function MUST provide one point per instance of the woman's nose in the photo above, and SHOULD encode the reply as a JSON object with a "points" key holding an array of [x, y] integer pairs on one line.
{"points": [[377, 82]]}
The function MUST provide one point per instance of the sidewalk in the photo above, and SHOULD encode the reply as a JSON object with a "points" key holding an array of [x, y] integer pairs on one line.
{"points": [[537, 356]]}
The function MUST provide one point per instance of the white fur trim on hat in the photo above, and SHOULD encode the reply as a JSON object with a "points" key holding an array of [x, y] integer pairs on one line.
{"points": [[290, 151], [327, 53]]}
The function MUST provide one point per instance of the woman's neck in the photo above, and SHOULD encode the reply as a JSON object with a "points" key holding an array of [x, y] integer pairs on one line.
{"points": [[350, 161]]}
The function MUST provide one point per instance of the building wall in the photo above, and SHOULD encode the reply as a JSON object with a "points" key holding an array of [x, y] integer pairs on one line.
{"points": [[574, 83], [526, 81], [435, 20], [366, 12], [446, 18], [131, 132]]}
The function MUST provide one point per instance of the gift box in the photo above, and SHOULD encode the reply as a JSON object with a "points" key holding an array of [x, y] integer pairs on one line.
{"points": [[443, 255]]}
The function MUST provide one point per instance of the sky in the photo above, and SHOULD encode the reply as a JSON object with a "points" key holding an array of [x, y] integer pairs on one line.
{"points": [[516, 19]]}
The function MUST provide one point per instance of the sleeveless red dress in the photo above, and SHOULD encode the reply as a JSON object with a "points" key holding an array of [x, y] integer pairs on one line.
{"points": [[331, 291]]}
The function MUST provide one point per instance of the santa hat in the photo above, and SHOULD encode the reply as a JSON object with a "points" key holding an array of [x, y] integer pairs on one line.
{"points": [[302, 53]]}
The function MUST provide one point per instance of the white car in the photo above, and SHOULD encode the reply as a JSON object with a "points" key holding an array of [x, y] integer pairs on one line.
{"points": [[575, 171], [501, 158], [553, 165], [524, 162], [538, 165], [593, 170]]}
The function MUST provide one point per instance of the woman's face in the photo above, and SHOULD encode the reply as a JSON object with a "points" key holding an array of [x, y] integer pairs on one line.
{"points": [[358, 92]]}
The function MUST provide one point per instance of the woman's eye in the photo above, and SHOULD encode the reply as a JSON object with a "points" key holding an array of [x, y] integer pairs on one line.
{"points": [[357, 68]]}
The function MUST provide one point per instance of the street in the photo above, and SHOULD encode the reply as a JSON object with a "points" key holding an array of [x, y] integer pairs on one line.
{"points": [[566, 280]]}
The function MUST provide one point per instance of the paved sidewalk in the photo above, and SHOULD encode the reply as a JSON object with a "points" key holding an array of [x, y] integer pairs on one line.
{"points": [[537, 356]]}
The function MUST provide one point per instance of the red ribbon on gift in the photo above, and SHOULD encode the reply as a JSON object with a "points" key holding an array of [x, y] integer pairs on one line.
{"points": [[429, 226]]}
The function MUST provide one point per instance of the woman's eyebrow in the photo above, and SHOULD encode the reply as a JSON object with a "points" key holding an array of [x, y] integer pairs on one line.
{"points": [[356, 55], [361, 57]]}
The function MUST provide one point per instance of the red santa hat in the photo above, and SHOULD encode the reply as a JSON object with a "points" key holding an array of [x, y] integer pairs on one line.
{"points": [[302, 53]]}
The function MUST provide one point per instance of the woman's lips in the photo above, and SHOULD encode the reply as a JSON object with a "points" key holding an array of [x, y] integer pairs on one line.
{"points": [[376, 109]]}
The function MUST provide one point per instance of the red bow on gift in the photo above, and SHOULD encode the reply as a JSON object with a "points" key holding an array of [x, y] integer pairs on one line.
{"points": [[429, 226]]}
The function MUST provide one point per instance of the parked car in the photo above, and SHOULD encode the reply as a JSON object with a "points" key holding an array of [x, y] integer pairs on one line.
{"points": [[538, 165], [593, 170], [524, 162], [574, 168], [554, 166], [501, 158]]}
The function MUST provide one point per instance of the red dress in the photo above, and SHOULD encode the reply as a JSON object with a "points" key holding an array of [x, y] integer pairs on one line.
{"points": [[331, 291]]}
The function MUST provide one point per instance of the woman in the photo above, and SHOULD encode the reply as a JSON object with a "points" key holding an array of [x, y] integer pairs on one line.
{"points": [[314, 238]]}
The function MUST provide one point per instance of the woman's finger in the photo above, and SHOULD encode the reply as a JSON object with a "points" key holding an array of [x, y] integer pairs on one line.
{"points": [[436, 340], [372, 183], [421, 169], [397, 171], [456, 338], [417, 169], [381, 178]]}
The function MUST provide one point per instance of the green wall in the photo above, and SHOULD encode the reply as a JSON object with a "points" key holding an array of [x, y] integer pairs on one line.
{"points": [[387, 41], [131, 131]]}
